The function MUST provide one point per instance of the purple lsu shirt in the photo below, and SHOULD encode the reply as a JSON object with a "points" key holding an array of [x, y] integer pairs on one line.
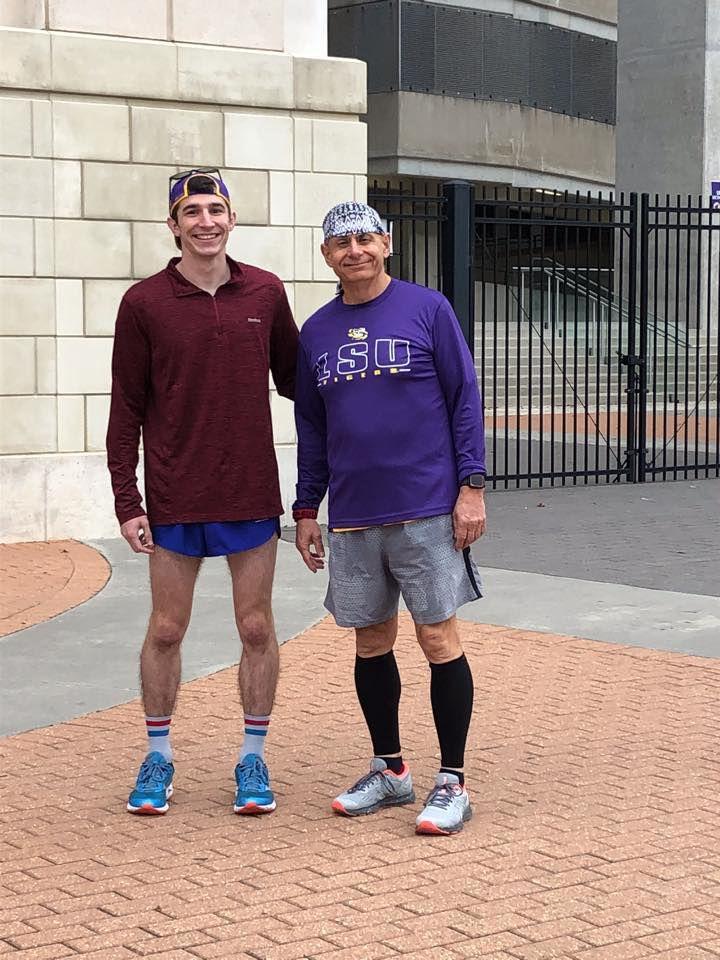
{"points": [[387, 408]]}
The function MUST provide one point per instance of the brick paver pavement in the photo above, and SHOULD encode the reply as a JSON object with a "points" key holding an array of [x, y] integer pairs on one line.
{"points": [[596, 834], [40, 580]]}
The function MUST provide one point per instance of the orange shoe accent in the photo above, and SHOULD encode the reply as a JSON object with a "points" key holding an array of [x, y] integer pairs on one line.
{"points": [[148, 811], [338, 807], [252, 809], [428, 827], [398, 775]]}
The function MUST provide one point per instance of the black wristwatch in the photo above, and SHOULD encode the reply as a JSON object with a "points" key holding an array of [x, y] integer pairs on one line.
{"points": [[474, 480]]}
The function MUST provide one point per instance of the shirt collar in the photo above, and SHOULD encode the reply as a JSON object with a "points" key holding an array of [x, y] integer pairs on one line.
{"points": [[182, 287]]}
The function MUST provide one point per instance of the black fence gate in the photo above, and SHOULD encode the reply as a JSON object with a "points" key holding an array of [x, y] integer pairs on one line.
{"points": [[593, 322]]}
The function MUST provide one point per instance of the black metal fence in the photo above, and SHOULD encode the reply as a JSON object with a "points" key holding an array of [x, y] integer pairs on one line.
{"points": [[679, 305], [593, 322]]}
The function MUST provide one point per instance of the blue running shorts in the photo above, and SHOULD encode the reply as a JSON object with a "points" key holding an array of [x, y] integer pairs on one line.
{"points": [[214, 539]]}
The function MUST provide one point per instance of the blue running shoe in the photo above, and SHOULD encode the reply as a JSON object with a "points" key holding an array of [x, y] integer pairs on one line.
{"points": [[253, 786], [153, 787]]}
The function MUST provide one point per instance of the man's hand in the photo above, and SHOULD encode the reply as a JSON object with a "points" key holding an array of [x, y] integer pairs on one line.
{"points": [[308, 540], [138, 535], [468, 517]]}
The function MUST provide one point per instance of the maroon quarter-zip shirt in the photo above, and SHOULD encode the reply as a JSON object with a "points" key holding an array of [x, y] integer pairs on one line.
{"points": [[191, 372]]}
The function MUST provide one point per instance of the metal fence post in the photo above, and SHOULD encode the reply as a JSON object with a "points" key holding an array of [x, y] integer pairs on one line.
{"points": [[458, 254], [643, 342], [629, 359]]}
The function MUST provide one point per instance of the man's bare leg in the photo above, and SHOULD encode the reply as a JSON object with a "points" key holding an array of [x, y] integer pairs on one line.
{"points": [[377, 639], [252, 576], [172, 584], [440, 642]]}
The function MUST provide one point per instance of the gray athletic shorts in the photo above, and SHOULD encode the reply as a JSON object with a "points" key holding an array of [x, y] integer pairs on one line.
{"points": [[369, 569]]}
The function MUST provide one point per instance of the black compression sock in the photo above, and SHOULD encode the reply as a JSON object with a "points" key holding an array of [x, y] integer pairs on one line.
{"points": [[377, 682], [395, 764], [451, 695], [458, 774]]}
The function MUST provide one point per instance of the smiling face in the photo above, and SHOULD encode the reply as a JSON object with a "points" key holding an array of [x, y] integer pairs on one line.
{"points": [[202, 223], [357, 257]]}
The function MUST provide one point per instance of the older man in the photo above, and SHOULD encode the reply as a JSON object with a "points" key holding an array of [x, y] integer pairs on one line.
{"points": [[389, 419], [194, 346]]}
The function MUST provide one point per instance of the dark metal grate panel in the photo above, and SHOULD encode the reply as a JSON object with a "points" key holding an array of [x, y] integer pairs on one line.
{"points": [[417, 47], [507, 59], [594, 77], [378, 38], [344, 28], [551, 68], [460, 52], [368, 31]]}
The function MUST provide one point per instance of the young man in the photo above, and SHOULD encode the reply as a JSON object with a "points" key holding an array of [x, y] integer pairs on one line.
{"points": [[389, 418], [194, 346]]}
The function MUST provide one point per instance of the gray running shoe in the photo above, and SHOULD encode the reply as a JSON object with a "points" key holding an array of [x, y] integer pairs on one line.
{"points": [[377, 789], [446, 808]]}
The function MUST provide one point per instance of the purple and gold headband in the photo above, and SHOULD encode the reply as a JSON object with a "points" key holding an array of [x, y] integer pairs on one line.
{"points": [[180, 185]]}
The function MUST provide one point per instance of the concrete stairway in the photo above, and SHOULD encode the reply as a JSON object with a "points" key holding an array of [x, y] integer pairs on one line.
{"points": [[522, 360]]}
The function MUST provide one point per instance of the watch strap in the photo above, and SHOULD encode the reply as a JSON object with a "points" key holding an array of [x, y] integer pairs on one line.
{"points": [[475, 481]]}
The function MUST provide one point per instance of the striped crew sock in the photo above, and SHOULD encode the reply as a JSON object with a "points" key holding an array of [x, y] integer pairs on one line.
{"points": [[158, 732], [256, 729]]}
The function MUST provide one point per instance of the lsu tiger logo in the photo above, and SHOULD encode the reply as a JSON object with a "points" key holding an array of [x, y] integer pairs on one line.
{"points": [[386, 355], [357, 333]]}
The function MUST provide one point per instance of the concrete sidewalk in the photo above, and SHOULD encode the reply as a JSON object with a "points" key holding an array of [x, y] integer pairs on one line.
{"points": [[571, 567], [661, 536], [87, 658]]}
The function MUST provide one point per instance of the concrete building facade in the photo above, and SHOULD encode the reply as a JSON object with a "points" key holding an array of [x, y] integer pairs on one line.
{"points": [[513, 92], [99, 103]]}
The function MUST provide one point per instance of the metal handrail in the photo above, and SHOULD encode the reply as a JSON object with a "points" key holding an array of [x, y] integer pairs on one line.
{"points": [[610, 301]]}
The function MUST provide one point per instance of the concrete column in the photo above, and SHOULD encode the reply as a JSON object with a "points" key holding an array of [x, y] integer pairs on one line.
{"points": [[668, 142], [712, 92], [668, 121]]}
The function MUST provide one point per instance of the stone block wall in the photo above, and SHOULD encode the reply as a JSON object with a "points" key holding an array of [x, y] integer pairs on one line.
{"points": [[91, 126]]}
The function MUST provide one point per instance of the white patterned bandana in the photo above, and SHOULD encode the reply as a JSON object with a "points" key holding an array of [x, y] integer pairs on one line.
{"points": [[351, 217]]}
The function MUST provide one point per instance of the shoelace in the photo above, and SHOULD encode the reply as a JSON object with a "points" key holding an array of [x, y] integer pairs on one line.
{"points": [[152, 775], [253, 776], [443, 795], [365, 781]]}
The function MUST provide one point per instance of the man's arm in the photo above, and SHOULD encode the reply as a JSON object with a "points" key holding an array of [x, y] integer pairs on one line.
{"points": [[130, 379], [283, 347], [456, 372], [313, 472]]}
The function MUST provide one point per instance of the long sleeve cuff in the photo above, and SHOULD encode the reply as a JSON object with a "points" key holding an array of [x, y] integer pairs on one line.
{"points": [[304, 513], [128, 513]]}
